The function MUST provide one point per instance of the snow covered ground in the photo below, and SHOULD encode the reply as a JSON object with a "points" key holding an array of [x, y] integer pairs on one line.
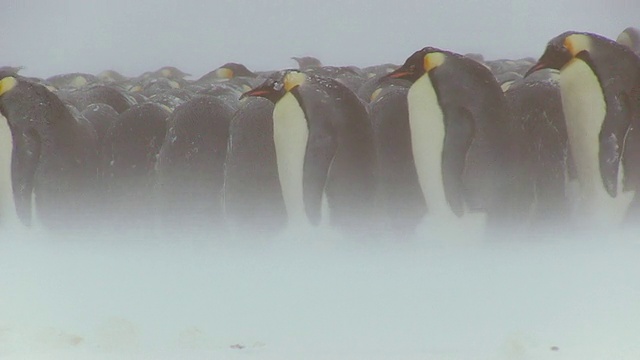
{"points": [[318, 297]]}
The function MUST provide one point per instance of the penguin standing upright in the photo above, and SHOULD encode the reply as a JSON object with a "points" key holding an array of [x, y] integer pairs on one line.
{"points": [[252, 195], [600, 87], [324, 145], [459, 124], [190, 164], [399, 201], [545, 171], [54, 157]]}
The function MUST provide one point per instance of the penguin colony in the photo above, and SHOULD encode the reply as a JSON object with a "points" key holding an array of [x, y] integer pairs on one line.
{"points": [[523, 147]]}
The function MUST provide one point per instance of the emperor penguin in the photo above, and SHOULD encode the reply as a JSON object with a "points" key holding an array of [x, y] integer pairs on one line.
{"points": [[253, 203], [53, 157], [600, 91], [459, 124], [324, 146], [226, 72], [190, 164]]}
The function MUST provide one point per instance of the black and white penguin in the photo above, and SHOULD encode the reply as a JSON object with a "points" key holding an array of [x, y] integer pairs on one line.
{"points": [[600, 87], [400, 205], [324, 146], [252, 195], [190, 164], [53, 158], [459, 124]]}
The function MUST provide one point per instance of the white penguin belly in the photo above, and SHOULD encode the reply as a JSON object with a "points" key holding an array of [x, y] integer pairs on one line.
{"points": [[8, 215], [426, 122], [290, 136], [584, 109]]}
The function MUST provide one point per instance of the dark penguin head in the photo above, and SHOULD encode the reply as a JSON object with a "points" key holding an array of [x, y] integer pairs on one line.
{"points": [[560, 50], [307, 62], [273, 89], [416, 65], [232, 70]]}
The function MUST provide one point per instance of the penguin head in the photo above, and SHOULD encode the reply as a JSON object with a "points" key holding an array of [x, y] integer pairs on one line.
{"points": [[278, 86], [7, 84], [307, 62], [421, 62], [561, 50], [231, 70]]}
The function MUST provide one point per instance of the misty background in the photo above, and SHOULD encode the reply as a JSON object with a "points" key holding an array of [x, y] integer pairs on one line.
{"points": [[318, 296], [53, 37]]}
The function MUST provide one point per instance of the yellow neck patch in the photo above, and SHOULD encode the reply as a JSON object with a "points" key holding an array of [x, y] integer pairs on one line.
{"points": [[577, 43], [7, 84], [224, 73], [166, 72], [293, 79], [433, 60], [375, 94]]}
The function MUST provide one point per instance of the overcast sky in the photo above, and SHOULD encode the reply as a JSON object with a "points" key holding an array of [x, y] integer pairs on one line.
{"points": [[52, 37]]}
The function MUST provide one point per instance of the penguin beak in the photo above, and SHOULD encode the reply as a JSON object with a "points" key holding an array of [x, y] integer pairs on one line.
{"points": [[554, 57], [400, 73], [539, 66], [261, 91]]}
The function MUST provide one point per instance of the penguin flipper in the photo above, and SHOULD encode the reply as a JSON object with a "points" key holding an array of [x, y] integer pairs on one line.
{"points": [[321, 148], [459, 131], [23, 168], [612, 138]]}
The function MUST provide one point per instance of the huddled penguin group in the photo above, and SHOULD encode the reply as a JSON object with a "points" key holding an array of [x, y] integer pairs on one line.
{"points": [[524, 146]]}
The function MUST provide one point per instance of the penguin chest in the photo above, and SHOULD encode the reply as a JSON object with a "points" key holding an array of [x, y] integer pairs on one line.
{"points": [[585, 109], [290, 136], [426, 122], [7, 205]]}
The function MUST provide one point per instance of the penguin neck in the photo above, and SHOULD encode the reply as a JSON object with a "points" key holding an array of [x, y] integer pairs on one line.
{"points": [[585, 108], [426, 122], [290, 136], [8, 215]]}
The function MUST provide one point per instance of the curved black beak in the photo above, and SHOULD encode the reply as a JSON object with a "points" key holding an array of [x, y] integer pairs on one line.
{"points": [[261, 91], [539, 66]]}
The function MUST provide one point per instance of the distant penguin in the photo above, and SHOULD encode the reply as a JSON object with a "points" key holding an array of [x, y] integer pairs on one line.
{"points": [[600, 87], [53, 160], [399, 201], [307, 62], [630, 38], [129, 156], [111, 76], [72, 80], [225, 72], [545, 171], [252, 196], [324, 146], [460, 138], [118, 99], [190, 164]]}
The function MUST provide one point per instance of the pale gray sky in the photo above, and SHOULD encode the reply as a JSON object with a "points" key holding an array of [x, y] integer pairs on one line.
{"points": [[51, 37]]}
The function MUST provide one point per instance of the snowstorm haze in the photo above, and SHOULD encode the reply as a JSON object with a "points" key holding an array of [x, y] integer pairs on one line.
{"points": [[317, 294], [53, 37]]}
